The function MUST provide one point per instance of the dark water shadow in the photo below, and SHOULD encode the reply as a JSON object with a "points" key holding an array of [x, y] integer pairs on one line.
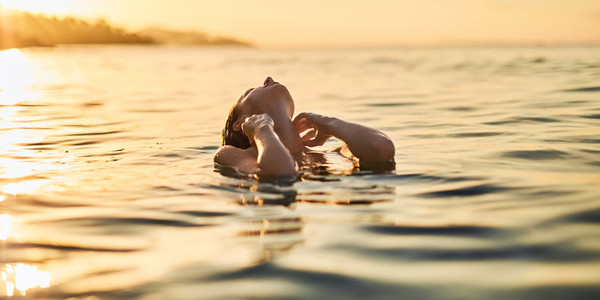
{"points": [[536, 154], [537, 253], [475, 190], [583, 89], [522, 120], [590, 216], [27, 246], [476, 134], [596, 116], [126, 221], [472, 231]]}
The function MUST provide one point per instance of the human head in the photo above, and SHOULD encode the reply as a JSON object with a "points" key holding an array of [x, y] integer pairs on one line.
{"points": [[231, 136], [272, 98]]}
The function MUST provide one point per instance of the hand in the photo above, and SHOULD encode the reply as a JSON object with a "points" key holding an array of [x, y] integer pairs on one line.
{"points": [[254, 123], [315, 126]]}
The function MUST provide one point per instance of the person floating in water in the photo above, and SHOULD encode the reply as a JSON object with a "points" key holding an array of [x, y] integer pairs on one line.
{"points": [[260, 137]]}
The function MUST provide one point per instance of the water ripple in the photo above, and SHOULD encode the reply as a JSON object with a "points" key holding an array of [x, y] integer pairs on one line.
{"points": [[196, 213], [583, 89], [475, 190], [476, 134], [391, 104], [519, 120], [422, 177], [453, 230], [66, 247], [596, 116], [591, 216], [94, 133], [536, 154], [545, 253], [104, 222]]}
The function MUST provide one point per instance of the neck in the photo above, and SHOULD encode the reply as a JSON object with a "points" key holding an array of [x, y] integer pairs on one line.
{"points": [[284, 127]]}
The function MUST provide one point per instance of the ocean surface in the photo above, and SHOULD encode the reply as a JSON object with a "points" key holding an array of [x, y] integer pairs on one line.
{"points": [[108, 188]]}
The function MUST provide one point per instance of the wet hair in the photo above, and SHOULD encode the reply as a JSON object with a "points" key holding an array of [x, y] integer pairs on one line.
{"points": [[233, 137]]}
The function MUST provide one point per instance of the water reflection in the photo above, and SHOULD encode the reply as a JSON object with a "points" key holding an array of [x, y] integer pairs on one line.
{"points": [[19, 172], [16, 75], [273, 224], [22, 187], [4, 226], [274, 235], [20, 167], [364, 194], [274, 227], [20, 278], [267, 194]]}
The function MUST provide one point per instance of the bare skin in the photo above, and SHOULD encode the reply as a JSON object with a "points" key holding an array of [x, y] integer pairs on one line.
{"points": [[277, 146]]}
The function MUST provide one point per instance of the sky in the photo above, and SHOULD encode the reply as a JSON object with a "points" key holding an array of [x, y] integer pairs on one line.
{"points": [[285, 23]]}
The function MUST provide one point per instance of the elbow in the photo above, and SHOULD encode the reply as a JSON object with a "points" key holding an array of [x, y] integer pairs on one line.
{"points": [[281, 169], [383, 150]]}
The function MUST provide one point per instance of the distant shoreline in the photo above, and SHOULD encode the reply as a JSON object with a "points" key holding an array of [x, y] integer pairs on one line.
{"points": [[22, 30]]}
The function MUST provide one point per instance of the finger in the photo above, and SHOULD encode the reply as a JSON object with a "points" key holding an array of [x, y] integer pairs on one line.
{"points": [[310, 134], [299, 120], [300, 116], [245, 125], [250, 118], [303, 125]]}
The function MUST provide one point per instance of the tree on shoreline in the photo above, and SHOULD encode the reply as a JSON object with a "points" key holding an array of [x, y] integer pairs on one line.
{"points": [[22, 29]]}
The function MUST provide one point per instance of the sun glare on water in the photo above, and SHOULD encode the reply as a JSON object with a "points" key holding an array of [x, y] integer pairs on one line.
{"points": [[22, 277], [17, 76], [41, 6]]}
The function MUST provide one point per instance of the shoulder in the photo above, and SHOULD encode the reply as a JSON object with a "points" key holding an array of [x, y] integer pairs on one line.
{"points": [[244, 160], [224, 153]]}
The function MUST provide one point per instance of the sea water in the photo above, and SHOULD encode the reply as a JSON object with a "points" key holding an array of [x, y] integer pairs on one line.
{"points": [[108, 187]]}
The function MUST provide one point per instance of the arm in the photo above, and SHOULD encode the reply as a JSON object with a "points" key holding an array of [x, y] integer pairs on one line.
{"points": [[269, 158], [367, 144]]}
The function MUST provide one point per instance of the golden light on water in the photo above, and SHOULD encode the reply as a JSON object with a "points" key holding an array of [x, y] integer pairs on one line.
{"points": [[23, 186], [12, 169], [4, 226], [22, 277], [17, 76]]}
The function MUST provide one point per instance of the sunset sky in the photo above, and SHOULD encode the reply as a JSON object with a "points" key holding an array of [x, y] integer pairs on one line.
{"points": [[276, 23]]}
